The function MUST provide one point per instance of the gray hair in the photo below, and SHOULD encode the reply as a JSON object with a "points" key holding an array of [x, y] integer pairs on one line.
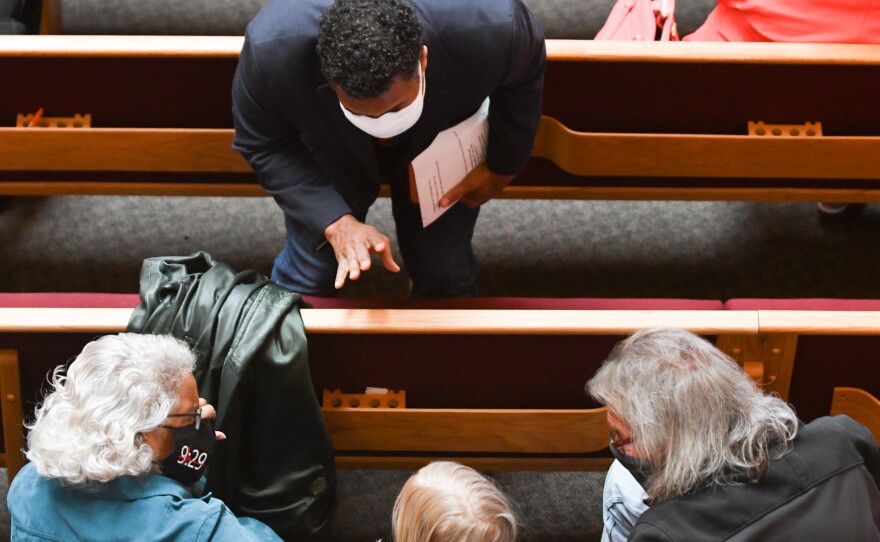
{"points": [[694, 414], [449, 502], [88, 428]]}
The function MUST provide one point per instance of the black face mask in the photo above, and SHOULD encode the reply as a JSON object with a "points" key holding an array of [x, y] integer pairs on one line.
{"points": [[191, 449], [639, 468]]}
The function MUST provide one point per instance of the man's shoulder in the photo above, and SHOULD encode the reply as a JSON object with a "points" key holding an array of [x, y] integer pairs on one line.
{"points": [[291, 20], [459, 15], [841, 433]]}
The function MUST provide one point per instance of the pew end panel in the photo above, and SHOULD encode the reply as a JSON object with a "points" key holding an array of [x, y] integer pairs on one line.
{"points": [[10, 407], [858, 405]]}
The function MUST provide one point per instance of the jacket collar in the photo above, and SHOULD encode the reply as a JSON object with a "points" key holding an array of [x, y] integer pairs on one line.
{"points": [[129, 488]]}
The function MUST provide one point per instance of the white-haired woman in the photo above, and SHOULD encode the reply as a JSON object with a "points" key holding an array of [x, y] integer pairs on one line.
{"points": [[117, 448], [449, 502], [720, 460]]}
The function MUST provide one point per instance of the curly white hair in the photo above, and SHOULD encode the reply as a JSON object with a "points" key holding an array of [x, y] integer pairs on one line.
{"points": [[88, 429]]}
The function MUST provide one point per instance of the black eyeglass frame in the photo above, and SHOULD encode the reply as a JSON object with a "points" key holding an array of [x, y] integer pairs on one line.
{"points": [[619, 442], [197, 415]]}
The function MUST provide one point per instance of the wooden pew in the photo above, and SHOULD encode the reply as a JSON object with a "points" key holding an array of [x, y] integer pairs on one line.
{"points": [[858, 405], [801, 339], [622, 120], [497, 389], [508, 394]]}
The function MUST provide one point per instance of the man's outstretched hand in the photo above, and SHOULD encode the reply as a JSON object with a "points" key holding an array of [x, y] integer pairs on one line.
{"points": [[353, 242]]}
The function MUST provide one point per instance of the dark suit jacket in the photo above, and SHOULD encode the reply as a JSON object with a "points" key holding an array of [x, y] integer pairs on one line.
{"points": [[316, 164]]}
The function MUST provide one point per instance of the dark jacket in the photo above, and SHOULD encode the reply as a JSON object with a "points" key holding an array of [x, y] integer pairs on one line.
{"points": [[277, 462], [824, 489], [316, 164]]}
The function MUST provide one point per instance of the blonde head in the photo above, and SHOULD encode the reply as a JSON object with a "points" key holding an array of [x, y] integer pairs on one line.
{"points": [[449, 502]]}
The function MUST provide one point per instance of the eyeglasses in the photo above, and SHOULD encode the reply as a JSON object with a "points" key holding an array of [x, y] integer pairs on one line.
{"points": [[197, 415], [619, 442]]}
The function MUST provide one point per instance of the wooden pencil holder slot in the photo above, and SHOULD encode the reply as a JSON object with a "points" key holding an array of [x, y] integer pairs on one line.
{"points": [[76, 121], [335, 399]]}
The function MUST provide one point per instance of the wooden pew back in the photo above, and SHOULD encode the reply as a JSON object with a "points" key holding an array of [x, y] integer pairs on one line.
{"points": [[507, 405], [623, 120], [506, 411]]}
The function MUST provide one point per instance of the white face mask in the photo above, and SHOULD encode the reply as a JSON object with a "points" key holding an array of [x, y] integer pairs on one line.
{"points": [[392, 123]]}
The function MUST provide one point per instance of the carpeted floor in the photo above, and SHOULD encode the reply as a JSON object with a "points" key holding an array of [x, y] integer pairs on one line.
{"points": [[710, 250], [550, 506]]}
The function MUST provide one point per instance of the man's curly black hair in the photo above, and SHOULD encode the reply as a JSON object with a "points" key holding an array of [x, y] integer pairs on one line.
{"points": [[364, 44]]}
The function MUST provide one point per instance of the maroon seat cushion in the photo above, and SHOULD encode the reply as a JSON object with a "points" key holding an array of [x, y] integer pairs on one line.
{"points": [[105, 300], [803, 304], [514, 303], [69, 300]]}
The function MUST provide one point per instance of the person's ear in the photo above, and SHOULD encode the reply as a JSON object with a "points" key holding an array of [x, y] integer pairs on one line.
{"points": [[423, 58], [159, 440]]}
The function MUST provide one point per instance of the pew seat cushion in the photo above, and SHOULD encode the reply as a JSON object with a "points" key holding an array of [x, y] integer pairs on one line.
{"points": [[110, 300], [69, 300], [515, 303], [803, 304]]}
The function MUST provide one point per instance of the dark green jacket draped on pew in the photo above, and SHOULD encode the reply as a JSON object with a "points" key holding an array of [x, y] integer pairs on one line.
{"points": [[277, 462]]}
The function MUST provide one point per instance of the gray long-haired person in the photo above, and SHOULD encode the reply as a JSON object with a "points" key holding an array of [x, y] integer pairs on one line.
{"points": [[117, 449], [702, 454]]}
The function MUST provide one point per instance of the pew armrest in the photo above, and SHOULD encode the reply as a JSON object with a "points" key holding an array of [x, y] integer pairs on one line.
{"points": [[858, 405]]}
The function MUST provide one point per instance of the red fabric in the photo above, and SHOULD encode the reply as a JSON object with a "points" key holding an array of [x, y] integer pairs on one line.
{"points": [[514, 303], [639, 20], [804, 21], [69, 300], [806, 304], [102, 300]]}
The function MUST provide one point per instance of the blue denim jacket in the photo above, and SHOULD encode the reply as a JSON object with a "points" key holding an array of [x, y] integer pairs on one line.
{"points": [[622, 504], [148, 507]]}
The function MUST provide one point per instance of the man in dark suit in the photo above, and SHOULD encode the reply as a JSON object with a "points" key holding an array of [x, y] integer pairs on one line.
{"points": [[330, 99]]}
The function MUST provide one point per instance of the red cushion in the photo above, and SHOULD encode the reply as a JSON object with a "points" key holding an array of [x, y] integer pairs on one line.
{"points": [[69, 300], [513, 303], [105, 300], [806, 304]]}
